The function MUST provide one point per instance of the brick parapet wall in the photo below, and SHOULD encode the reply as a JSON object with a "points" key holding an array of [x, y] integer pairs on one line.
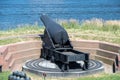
{"points": [[17, 53]]}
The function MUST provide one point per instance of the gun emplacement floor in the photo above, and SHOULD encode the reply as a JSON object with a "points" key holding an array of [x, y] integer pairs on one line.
{"points": [[40, 66]]}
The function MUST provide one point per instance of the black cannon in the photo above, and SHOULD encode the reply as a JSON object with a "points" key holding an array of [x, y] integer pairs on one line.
{"points": [[57, 47]]}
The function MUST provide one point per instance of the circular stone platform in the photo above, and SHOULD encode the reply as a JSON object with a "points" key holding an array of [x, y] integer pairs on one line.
{"points": [[40, 66]]}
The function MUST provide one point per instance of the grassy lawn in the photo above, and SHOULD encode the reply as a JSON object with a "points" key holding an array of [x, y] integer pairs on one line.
{"points": [[101, 76], [4, 75], [29, 29], [94, 29]]}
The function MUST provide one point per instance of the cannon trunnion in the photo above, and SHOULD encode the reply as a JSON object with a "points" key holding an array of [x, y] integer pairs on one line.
{"points": [[57, 47]]}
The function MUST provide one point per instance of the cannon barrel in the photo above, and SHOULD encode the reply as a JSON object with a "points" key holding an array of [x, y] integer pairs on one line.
{"points": [[56, 31]]}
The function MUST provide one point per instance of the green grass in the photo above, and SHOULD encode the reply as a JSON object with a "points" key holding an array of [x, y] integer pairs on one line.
{"points": [[102, 77], [4, 75], [95, 29], [27, 29], [24, 30]]}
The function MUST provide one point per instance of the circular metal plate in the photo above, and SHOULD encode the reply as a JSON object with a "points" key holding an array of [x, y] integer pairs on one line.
{"points": [[40, 66]]}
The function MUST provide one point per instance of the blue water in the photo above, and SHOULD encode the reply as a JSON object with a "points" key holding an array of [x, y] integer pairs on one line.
{"points": [[17, 12]]}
